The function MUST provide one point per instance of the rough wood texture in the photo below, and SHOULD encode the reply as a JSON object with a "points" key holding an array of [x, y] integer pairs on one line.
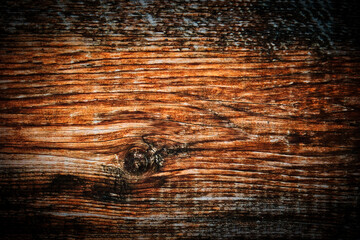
{"points": [[179, 119]]}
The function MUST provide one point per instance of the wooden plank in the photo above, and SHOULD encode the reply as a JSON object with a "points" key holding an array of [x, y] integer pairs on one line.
{"points": [[179, 119]]}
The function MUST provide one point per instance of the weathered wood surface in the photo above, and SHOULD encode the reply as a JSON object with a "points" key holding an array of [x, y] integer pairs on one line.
{"points": [[179, 119]]}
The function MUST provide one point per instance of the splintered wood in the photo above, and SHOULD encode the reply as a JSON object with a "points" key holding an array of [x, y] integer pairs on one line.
{"points": [[179, 119]]}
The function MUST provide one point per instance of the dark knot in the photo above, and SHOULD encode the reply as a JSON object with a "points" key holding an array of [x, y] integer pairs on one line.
{"points": [[137, 161], [142, 159]]}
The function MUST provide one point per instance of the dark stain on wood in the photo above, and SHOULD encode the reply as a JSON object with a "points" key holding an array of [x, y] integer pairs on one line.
{"points": [[62, 183]]}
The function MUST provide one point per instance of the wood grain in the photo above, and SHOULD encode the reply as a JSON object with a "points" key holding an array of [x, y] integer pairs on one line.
{"points": [[179, 119]]}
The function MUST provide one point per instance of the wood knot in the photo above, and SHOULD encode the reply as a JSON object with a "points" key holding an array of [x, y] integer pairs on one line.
{"points": [[147, 157], [137, 161]]}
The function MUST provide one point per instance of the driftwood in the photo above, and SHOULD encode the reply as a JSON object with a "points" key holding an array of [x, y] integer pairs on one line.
{"points": [[179, 119]]}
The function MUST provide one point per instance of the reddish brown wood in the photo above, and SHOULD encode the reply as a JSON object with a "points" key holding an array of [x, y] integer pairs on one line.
{"points": [[179, 119]]}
